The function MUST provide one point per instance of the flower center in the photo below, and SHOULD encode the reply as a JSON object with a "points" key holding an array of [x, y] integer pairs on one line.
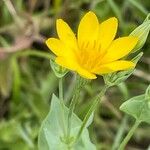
{"points": [[90, 55]]}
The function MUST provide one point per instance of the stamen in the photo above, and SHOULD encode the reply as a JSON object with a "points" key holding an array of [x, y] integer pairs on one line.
{"points": [[94, 46], [86, 46]]}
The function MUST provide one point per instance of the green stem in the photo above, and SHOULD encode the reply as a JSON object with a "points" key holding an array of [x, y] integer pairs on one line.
{"points": [[62, 104], [91, 110], [79, 84], [35, 53], [61, 89], [129, 135], [120, 133]]}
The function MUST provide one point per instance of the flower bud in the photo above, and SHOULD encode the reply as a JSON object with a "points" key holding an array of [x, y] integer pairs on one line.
{"points": [[141, 32], [58, 70], [118, 77]]}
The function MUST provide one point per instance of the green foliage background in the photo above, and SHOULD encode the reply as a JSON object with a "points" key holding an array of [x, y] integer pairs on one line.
{"points": [[27, 81]]}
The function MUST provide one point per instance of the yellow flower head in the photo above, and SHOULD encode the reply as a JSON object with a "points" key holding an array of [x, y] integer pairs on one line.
{"points": [[94, 50]]}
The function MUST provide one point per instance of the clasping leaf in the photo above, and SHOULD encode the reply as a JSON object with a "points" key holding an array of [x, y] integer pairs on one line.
{"points": [[51, 135], [138, 107]]}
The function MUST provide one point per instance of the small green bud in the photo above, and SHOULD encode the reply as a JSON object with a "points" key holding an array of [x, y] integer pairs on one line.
{"points": [[58, 70], [141, 32], [118, 77]]}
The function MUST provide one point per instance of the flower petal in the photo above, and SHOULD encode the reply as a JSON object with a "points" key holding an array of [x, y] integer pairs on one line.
{"points": [[113, 66], [66, 34], [67, 63], [107, 32], [86, 74], [88, 29], [119, 48], [74, 66], [55, 45]]}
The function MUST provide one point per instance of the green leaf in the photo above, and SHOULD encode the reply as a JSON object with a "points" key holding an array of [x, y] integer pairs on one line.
{"points": [[138, 107], [51, 135]]}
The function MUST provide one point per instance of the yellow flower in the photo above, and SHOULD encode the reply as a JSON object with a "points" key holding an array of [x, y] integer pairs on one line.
{"points": [[94, 50]]}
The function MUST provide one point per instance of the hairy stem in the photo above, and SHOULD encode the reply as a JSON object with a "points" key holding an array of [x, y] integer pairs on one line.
{"points": [[79, 84], [91, 110]]}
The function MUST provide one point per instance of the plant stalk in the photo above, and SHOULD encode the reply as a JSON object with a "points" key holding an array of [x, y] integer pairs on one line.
{"points": [[129, 135], [120, 133], [62, 104], [91, 110], [80, 82]]}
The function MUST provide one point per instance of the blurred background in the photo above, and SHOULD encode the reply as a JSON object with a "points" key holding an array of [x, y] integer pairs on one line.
{"points": [[27, 81]]}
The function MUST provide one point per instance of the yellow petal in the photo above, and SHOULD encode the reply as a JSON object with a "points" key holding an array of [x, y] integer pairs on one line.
{"points": [[114, 66], [55, 46], [88, 29], [66, 34], [74, 66], [86, 74], [107, 32], [119, 48], [67, 63]]}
